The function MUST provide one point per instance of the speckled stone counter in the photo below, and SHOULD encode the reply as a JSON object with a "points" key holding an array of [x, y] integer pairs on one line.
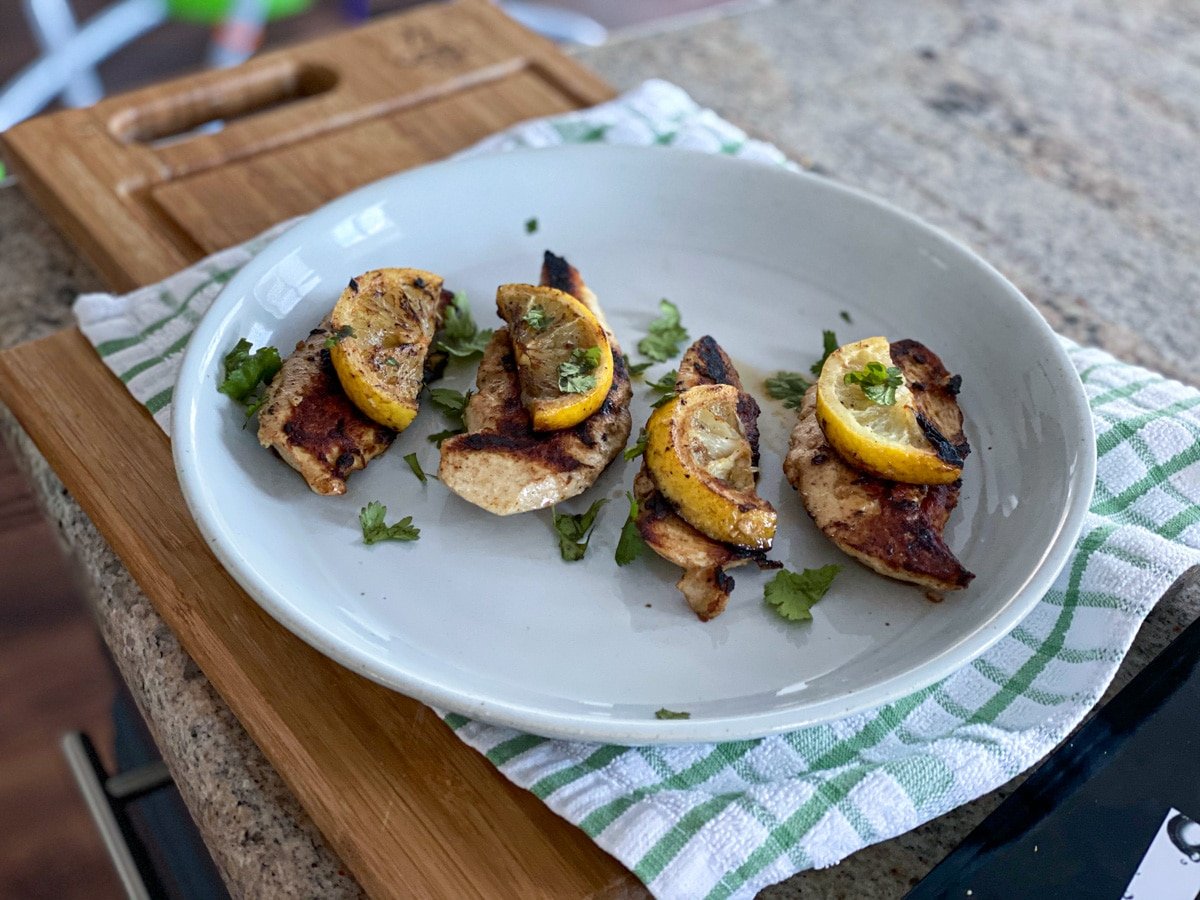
{"points": [[1057, 138]]}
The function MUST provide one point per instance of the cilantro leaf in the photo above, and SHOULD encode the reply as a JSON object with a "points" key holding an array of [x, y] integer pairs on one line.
{"points": [[831, 344], [415, 465], [788, 387], [452, 403], [666, 334], [573, 377], [338, 336], [460, 336], [531, 225], [664, 385], [878, 383], [574, 531], [535, 317], [794, 593], [638, 448], [665, 713], [630, 545], [636, 369], [846, 317], [440, 436], [374, 530], [244, 371]]}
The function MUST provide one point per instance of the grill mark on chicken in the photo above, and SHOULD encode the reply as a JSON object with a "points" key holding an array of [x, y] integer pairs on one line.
{"points": [[705, 583], [501, 464], [891, 527], [310, 422]]}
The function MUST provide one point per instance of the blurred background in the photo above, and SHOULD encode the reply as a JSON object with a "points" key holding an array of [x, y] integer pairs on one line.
{"points": [[55, 676]]}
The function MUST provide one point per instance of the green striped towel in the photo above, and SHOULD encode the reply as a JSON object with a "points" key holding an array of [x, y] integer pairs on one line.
{"points": [[724, 820]]}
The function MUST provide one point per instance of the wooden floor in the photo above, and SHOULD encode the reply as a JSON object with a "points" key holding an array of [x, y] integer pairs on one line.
{"points": [[53, 677]]}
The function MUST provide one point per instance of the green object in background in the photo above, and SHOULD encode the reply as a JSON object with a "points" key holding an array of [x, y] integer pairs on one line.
{"points": [[212, 12]]}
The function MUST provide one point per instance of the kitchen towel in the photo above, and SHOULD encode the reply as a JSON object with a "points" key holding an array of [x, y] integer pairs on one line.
{"points": [[724, 820]]}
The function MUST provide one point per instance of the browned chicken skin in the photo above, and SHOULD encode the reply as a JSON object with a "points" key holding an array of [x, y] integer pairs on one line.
{"points": [[891, 527], [705, 583], [501, 464], [311, 423]]}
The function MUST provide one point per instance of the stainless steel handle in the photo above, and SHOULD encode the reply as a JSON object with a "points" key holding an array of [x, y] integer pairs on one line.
{"points": [[105, 796]]}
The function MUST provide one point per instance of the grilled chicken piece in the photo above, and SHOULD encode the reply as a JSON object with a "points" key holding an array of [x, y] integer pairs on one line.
{"points": [[891, 527], [501, 464], [311, 423], [704, 584]]}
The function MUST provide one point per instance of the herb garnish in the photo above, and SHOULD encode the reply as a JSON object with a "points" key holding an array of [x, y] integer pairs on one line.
{"points": [[846, 317], [531, 225], [794, 593], [460, 336], [391, 361], [630, 545], [338, 336], [788, 387], [452, 404], [639, 446], [664, 385], [636, 369], [370, 517], [573, 377], [877, 382], [574, 531], [666, 334], [535, 317], [665, 713], [831, 344], [247, 374], [415, 465]]}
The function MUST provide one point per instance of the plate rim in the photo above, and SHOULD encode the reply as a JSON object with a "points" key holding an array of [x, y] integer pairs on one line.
{"points": [[625, 730]]}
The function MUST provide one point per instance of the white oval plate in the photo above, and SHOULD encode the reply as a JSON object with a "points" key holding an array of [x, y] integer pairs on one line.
{"points": [[481, 616]]}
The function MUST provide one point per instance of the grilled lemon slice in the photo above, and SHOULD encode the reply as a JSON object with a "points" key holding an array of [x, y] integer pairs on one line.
{"points": [[564, 359], [887, 440], [382, 327], [700, 459]]}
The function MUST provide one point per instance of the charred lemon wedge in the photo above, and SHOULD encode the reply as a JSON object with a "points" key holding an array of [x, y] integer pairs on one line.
{"points": [[869, 415], [564, 359], [699, 457], [381, 329]]}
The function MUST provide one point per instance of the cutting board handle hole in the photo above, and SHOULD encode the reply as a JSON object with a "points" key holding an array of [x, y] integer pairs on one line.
{"points": [[194, 111]]}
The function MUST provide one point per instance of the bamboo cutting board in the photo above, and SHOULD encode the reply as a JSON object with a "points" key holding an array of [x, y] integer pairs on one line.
{"points": [[410, 809]]}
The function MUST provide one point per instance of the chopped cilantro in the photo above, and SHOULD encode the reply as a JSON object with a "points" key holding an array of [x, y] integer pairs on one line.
{"points": [[531, 226], [391, 361], [247, 374], [665, 713], [630, 545], [338, 336], [573, 377], [831, 344], [415, 465], [370, 517], [535, 317], [574, 531], [440, 436], [636, 369], [877, 382], [666, 334], [639, 446], [452, 404], [788, 387], [460, 336], [664, 385], [794, 593]]}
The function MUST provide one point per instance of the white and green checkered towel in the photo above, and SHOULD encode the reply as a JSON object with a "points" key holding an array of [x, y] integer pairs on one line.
{"points": [[724, 820]]}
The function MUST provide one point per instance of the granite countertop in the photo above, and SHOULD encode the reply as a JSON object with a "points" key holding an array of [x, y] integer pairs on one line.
{"points": [[1057, 139]]}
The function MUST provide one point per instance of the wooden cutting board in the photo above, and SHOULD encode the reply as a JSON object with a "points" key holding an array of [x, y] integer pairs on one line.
{"points": [[410, 809]]}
